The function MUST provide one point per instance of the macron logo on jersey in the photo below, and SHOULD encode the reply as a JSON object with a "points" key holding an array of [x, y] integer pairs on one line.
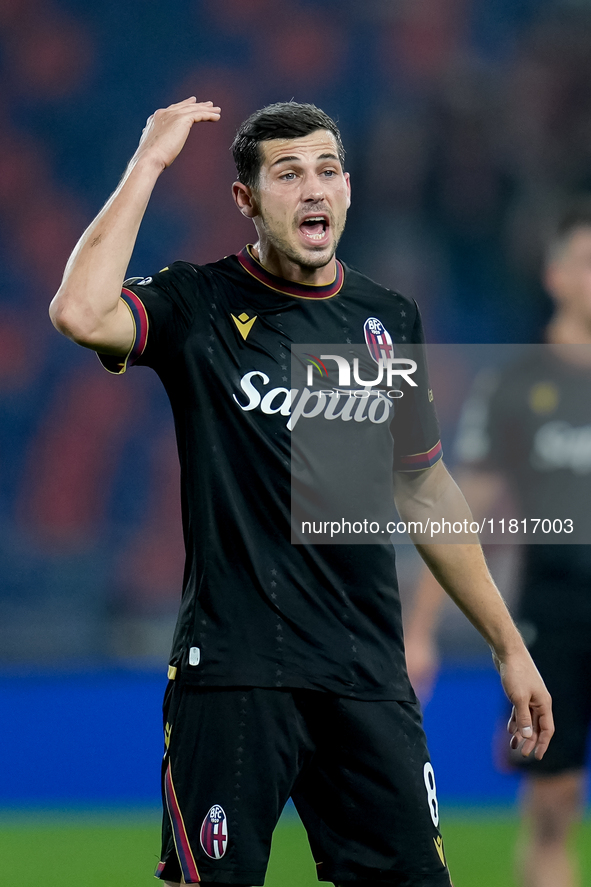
{"points": [[244, 323]]}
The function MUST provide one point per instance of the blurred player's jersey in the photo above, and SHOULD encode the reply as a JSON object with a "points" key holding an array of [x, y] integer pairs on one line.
{"points": [[257, 610], [532, 422]]}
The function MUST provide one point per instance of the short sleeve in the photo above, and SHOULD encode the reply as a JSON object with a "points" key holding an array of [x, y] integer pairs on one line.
{"points": [[415, 428], [480, 440], [163, 309]]}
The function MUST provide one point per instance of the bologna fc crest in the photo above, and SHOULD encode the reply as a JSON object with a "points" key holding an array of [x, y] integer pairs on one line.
{"points": [[214, 832], [378, 339]]}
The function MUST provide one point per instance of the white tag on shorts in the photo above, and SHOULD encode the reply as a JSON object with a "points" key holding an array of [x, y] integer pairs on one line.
{"points": [[194, 656]]}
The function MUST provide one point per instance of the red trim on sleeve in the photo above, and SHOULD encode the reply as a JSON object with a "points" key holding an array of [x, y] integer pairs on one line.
{"points": [[114, 363], [140, 316], [419, 461]]}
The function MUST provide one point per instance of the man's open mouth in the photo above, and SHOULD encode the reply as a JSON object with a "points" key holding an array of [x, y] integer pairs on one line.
{"points": [[315, 228]]}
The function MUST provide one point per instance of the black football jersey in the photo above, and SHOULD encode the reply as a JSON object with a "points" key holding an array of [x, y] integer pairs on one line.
{"points": [[256, 609], [532, 422]]}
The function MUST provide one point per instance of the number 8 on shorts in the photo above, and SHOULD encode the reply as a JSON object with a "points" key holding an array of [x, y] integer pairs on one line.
{"points": [[429, 777]]}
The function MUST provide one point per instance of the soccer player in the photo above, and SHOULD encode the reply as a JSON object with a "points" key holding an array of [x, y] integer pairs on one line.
{"points": [[287, 672], [529, 431]]}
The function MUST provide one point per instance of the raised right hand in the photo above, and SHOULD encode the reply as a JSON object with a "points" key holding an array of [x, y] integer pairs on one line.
{"points": [[167, 130], [87, 307]]}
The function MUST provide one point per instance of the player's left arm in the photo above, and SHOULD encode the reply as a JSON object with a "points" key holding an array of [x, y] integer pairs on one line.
{"points": [[460, 568]]}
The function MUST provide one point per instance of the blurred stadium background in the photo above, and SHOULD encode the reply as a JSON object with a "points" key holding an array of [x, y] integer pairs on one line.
{"points": [[466, 122]]}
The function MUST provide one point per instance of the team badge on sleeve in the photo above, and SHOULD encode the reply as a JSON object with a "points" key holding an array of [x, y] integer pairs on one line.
{"points": [[214, 832], [378, 339]]}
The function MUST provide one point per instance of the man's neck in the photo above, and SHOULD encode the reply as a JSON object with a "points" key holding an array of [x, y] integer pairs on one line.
{"points": [[564, 333], [567, 329], [281, 266]]}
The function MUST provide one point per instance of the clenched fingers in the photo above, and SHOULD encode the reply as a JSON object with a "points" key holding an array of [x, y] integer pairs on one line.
{"points": [[531, 728]]}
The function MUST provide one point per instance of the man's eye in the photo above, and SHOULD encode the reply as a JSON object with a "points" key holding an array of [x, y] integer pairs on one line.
{"points": [[288, 176], [329, 172]]}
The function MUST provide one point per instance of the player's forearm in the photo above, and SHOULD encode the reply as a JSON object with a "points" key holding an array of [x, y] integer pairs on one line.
{"points": [[459, 567], [87, 301], [461, 570]]}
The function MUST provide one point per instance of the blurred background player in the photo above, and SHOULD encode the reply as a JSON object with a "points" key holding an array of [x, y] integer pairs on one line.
{"points": [[531, 434]]}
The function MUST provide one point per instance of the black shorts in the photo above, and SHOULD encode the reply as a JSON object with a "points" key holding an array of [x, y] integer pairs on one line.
{"points": [[563, 658], [359, 774]]}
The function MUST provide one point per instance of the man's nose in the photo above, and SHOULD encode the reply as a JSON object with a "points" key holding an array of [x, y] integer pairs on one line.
{"points": [[313, 190]]}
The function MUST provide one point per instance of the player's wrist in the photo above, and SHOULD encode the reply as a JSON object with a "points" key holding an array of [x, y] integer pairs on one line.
{"points": [[146, 164], [508, 649], [502, 635]]}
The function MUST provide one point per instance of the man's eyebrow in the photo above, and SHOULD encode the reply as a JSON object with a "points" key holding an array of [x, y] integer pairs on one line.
{"points": [[290, 158], [286, 159]]}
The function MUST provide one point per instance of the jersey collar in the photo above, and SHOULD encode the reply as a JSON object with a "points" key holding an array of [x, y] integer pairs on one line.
{"points": [[289, 287]]}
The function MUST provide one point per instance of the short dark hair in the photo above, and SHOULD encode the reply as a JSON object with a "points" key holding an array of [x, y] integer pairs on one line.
{"points": [[282, 120], [574, 216]]}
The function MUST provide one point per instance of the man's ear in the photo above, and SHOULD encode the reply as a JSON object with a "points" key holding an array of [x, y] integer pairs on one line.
{"points": [[245, 200]]}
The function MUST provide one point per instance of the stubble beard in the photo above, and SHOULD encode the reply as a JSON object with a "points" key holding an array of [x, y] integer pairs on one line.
{"points": [[304, 259]]}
